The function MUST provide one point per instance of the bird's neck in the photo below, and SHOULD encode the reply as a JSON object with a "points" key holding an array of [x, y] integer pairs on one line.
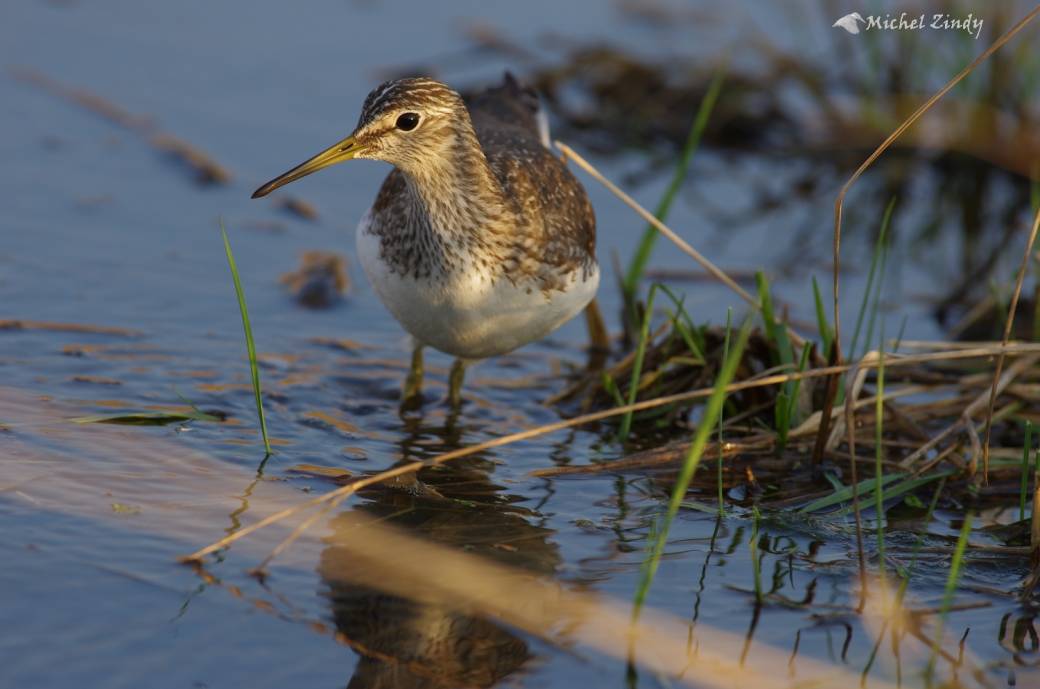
{"points": [[455, 189]]}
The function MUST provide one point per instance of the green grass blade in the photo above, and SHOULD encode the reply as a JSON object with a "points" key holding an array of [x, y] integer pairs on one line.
{"points": [[912, 484], [1036, 321], [787, 401], [722, 412], [899, 335], [894, 487], [612, 389], [776, 334], [796, 386], [637, 265], [1001, 300], [769, 324], [250, 346], [776, 330], [691, 335], [871, 275], [822, 324], [879, 485], [866, 488], [700, 506], [712, 410], [875, 302], [637, 365], [756, 562], [951, 588], [933, 503], [1034, 188], [844, 494], [1023, 488]]}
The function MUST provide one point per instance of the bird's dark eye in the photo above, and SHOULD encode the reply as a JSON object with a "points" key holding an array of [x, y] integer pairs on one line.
{"points": [[408, 121]]}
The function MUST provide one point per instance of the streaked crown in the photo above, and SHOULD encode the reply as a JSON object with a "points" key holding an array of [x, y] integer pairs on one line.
{"points": [[411, 123], [421, 94]]}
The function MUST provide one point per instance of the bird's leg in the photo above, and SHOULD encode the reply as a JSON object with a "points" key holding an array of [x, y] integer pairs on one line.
{"points": [[411, 397], [458, 372]]}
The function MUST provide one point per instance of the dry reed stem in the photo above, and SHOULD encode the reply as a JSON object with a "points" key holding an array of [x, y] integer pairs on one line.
{"points": [[1007, 336], [839, 203], [767, 440], [939, 345], [92, 102], [943, 455], [19, 324], [206, 169], [260, 569], [965, 418], [570, 154], [1017, 349], [859, 376], [812, 424], [745, 445]]}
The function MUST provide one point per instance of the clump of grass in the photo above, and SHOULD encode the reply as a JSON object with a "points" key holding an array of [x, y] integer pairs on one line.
{"points": [[822, 324], [786, 407], [669, 355], [712, 411], [250, 346]]}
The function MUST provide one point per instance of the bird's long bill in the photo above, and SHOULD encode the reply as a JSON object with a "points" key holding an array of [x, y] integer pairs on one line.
{"points": [[344, 150]]}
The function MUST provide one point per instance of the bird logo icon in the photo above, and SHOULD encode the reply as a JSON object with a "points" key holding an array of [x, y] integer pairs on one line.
{"points": [[848, 22]]}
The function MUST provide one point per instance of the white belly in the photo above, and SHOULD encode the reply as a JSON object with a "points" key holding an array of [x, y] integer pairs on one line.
{"points": [[467, 315]]}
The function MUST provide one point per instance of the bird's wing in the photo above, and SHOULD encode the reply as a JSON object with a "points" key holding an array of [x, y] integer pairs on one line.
{"points": [[510, 106]]}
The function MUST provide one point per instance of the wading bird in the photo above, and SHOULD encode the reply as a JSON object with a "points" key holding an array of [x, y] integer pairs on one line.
{"points": [[480, 240]]}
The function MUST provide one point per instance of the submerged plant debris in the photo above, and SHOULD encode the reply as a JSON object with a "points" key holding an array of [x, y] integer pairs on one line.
{"points": [[320, 281]]}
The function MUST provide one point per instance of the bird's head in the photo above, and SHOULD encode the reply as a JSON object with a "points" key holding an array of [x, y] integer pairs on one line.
{"points": [[405, 122]]}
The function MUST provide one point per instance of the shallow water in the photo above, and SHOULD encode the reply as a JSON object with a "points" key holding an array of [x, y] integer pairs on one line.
{"points": [[101, 229]]}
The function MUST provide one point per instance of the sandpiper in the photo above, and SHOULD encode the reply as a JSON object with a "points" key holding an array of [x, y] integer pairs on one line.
{"points": [[480, 239]]}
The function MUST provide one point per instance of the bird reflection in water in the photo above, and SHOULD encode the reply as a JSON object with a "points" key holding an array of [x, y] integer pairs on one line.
{"points": [[418, 641]]}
